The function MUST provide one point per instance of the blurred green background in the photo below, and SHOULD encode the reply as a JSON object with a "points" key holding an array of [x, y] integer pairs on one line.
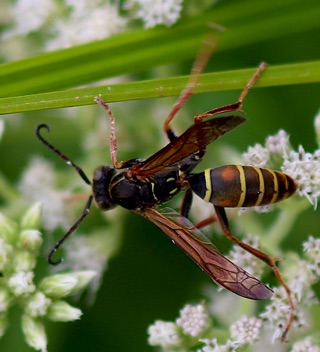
{"points": [[150, 278]]}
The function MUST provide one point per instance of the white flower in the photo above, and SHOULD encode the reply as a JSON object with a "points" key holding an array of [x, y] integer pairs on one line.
{"points": [[257, 156], [21, 283], [211, 345], [164, 334], [87, 22], [312, 252], [194, 320], [279, 143], [30, 16], [154, 12], [38, 305], [246, 330], [305, 169], [37, 184], [306, 345]]}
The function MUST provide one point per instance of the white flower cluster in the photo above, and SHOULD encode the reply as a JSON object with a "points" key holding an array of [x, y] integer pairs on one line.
{"points": [[246, 330], [74, 22], [306, 345], [20, 244], [193, 320], [155, 12], [305, 169], [38, 185], [192, 323], [303, 273], [88, 20]]}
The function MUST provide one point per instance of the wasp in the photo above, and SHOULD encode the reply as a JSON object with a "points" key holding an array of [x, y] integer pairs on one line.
{"points": [[144, 185]]}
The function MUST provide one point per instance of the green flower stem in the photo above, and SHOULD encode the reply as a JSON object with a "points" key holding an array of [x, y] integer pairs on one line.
{"points": [[284, 223]]}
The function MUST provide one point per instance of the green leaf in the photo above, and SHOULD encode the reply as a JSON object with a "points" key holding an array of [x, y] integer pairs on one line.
{"points": [[138, 51], [274, 75]]}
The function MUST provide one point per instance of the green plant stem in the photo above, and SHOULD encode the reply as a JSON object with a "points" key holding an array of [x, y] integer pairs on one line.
{"points": [[236, 79], [284, 223]]}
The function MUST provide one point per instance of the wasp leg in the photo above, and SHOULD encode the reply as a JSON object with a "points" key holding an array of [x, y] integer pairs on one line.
{"points": [[206, 49], [237, 105], [205, 222], [271, 261], [186, 203], [186, 207]]}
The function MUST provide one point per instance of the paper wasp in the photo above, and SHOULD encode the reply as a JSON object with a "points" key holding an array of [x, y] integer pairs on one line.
{"points": [[142, 185]]}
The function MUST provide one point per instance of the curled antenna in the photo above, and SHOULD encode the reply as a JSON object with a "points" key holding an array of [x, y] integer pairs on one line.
{"points": [[84, 213], [59, 153], [86, 209]]}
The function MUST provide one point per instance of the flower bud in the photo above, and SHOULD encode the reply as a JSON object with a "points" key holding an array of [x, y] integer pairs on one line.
{"points": [[31, 219], [8, 229], [59, 285], [30, 240], [34, 333], [4, 300], [83, 279], [23, 261], [62, 311]]}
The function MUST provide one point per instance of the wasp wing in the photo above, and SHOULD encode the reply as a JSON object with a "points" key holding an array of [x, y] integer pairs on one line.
{"points": [[192, 241], [194, 139]]}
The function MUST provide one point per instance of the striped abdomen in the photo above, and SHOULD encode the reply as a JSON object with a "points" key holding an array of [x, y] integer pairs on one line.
{"points": [[242, 186]]}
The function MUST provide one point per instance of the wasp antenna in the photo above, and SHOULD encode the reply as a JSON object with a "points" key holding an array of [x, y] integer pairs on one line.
{"points": [[84, 213], [59, 153]]}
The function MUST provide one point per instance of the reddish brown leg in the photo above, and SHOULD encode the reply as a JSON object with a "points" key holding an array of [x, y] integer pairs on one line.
{"points": [[237, 105], [205, 222], [271, 261], [207, 47]]}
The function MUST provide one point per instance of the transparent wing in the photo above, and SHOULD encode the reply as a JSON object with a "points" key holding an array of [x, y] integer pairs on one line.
{"points": [[194, 243]]}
